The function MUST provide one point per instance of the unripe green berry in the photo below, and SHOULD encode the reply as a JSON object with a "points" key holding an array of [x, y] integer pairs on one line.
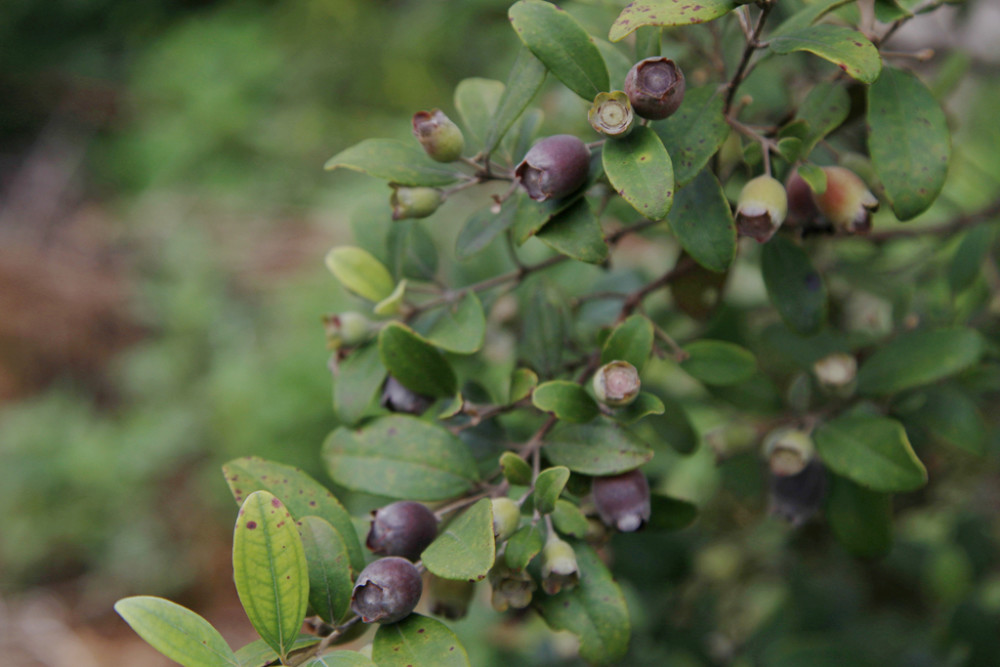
{"points": [[611, 114], [559, 567], [616, 383], [847, 202], [410, 202], [622, 501], [439, 136], [511, 590], [761, 208], [386, 591], [554, 167], [788, 451], [655, 86], [348, 329], [404, 528], [506, 518]]}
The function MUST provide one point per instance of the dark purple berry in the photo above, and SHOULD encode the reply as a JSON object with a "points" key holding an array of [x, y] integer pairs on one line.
{"points": [[386, 591], [795, 498], [622, 500], [404, 528], [554, 167], [655, 87], [397, 398]]}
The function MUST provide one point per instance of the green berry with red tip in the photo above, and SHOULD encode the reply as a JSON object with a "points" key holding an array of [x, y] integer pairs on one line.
{"points": [[761, 208], [386, 591], [554, 167], [655, 87], [847, 202], [441, 138], [410, 202], [348, 329]]}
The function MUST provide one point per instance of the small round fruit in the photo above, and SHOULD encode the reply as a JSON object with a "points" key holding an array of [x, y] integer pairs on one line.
{"points": [[386, 591], [438, 134], [403, 528], [622, 500], [554, 167], [397, 398], [616, 383], [761, 208], [655, 86], [611, 114]]}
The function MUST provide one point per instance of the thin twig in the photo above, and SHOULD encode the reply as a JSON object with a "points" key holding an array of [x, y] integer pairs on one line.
{"points": [[741, 69]]}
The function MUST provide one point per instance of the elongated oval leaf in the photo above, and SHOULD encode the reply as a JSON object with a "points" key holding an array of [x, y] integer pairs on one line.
{"points": [[575, 232], [594, 610], [418, 641], [414, 362], [861, 519], [640, 169], [360, 272], [631, 341], [719, 362], [824, 110], [515, 469], [359, 377], [695, 132], [562, 45], [270, 570], [667, 13], [476, 100], [596, 449], [944, 414], [544, 330], [301, 494], [400, 457], [395, 161], [522, 382], [918, 358], [259, 654], [847, 49], [330, 580], [483, 226], [176, 632], [340, 658], [908, 140], [569, 519], [703, 222], [566, 400], [793, 285], [525, 80], [644, 405], [465, 549], [872, 451], [524, 545], [549, 484], [462, 327]]}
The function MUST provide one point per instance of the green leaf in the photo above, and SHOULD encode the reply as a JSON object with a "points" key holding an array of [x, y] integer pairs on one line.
{"points": [[411, 250], [562, 45], [270, 570], [544, 333], [697, 291], [703, 222], [418, 641], [466, 549], [814, 177], [525, 80], [674, 426], [918, 358], [531, 216], [631, 341], [718, 362], [330, 581], [391, 304], [594, 610], [359, 377], [341, 658], [515, 469], [462, 327], [596, 449], [414, 362], [790, 148], [259, 654], [824, 109], [301, 494], [618, 63], [695, 132], [523, 545], [808, 15], [967, 262], [667, 13], [670, 513], [569, 519], [872, 451], [522, 383], [566, 400], [640, 169], [548, 486], [400, 456], [847, 49], [476, 100], [861, 519], [360, 272], [793, 285], [644, 405], [394, 161], [946, 415], [176, 632], [576, 233], [484, 226], [908, 140]]}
